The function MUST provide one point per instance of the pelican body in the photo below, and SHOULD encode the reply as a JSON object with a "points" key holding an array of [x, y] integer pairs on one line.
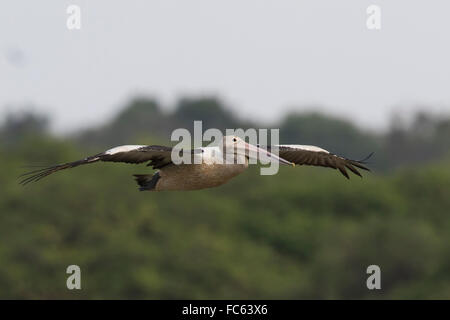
{"points": [[210, 167], [195, 176]]}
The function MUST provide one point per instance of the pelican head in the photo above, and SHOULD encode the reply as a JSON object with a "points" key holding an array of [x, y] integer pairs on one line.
{"points": [[239, 148]]}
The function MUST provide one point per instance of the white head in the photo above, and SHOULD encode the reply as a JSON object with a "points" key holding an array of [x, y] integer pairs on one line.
{"points": [[235, 146]]}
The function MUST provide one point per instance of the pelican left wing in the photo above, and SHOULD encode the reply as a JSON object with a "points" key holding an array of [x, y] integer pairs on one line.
{"points": [[315, 156], [158, 156]]}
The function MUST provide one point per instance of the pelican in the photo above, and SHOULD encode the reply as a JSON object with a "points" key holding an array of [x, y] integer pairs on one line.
{"points": [[212, 171]]}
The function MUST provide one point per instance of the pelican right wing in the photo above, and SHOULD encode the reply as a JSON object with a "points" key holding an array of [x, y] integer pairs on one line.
{"points": [[157, 156], [315, 156]]}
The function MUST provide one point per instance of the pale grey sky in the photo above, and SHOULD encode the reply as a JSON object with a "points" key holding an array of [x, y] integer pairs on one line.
{"points": [[262, 57]]}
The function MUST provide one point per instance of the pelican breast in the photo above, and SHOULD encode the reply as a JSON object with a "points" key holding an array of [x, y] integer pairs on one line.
{"points": [[197, 176]]}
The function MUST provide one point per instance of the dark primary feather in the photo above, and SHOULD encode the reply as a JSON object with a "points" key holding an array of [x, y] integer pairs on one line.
{"points": [[158, 156], [323, 158]]}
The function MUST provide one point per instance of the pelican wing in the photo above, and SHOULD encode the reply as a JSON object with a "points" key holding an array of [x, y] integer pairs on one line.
{"points": [[157, 156], [315, 156]]}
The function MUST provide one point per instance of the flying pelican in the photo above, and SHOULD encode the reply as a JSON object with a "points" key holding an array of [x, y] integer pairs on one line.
{"points": [[212, 170]]}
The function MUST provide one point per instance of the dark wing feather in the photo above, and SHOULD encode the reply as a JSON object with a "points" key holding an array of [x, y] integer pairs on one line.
{"points": [[314, 156], [157, 156]]}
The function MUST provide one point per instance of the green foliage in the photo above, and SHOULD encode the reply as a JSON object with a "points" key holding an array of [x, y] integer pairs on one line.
{"points": [[139, 118], [304, 233], [209, 110], [336, 135]]}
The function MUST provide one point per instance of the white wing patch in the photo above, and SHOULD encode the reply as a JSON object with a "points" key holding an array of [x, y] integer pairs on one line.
{"points": [[126, 148], [303, 147]]}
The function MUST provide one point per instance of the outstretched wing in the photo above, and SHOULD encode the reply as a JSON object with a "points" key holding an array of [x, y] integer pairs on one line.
{"points": [[158, 156], [315, 156]]}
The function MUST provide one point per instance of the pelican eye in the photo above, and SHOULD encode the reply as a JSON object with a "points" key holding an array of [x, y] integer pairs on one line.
{"points": [[234, 139]]}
